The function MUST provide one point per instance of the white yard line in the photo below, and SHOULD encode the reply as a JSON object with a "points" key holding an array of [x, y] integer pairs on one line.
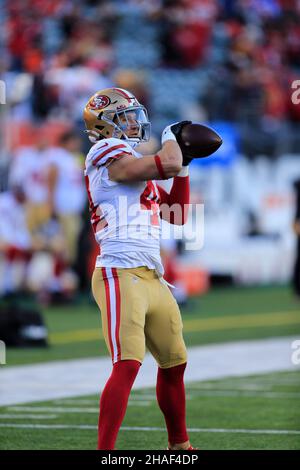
{"points": [[75, 402], [65, 409], [148, 429], [134, 398], [240, 394], [54, 409], [62, 379], [27, 416], [81, 407]]}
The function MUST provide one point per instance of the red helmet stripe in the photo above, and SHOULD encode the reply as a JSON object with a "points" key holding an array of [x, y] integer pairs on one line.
{"points": [[122, 92]]}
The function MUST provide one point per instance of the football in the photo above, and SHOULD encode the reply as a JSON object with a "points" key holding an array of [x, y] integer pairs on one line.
{"points": [[198, 141]]}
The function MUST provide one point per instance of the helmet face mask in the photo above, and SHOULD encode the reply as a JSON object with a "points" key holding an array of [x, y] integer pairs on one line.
{"points": [[115, 112], [133, 124]]}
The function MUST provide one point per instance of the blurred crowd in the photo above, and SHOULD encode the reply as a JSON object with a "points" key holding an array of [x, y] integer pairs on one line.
{"points": [[41, 219], [54, 54], [57, 53]]}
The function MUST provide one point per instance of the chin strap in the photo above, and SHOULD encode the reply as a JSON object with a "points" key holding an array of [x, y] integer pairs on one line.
{"points": [[93, 136]]}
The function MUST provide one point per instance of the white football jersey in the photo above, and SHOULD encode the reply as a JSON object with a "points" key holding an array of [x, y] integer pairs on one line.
{"points": [[29, 170], [125, 216], [13, 224], [69, 195]]}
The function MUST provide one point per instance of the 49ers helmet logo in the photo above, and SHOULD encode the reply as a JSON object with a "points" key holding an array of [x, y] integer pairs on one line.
{"points": [[99, 102]]}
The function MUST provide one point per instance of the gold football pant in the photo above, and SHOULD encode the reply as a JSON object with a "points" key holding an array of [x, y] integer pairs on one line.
{"points": [[138, 311]]}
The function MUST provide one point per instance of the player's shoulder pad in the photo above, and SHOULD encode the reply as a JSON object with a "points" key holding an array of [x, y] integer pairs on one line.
{"points": [[106, 149]]}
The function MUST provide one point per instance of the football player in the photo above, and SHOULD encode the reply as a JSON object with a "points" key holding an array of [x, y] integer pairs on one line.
{"points": [[137, 307]]}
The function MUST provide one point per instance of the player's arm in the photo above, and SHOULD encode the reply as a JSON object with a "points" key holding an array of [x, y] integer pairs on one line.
{"points": [[174, 206], [165, 164]]}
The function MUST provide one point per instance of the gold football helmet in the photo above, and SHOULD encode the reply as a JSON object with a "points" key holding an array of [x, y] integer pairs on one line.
{"points": [[114, 112]]}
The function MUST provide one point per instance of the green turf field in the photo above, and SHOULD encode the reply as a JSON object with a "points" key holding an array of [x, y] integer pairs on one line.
{"points": [[255, 412], [261, 412], [221, 315]]}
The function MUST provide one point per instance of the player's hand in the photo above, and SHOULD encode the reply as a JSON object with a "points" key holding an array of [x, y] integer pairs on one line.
{"points": [[186, 160], [173, 132], [167, 134]]}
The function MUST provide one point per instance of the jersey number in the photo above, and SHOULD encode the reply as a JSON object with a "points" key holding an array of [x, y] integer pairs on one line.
{"points": [[150, 201]]}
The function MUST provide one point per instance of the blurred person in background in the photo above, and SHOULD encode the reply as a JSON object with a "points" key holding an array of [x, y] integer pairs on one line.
{"points": [[169, 256], [15, 241], [296, 275], [48, 275], [66, 189], [186, 31], [28, 169]]}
